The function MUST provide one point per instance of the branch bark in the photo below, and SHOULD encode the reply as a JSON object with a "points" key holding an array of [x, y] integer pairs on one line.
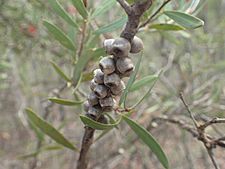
{"points": [[134, 12]]}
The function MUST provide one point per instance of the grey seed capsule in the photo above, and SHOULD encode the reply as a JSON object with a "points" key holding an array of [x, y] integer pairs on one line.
{"points": [[107, 44], [86, 106], [98, 76], [121, 47], [107, 65], [136, 45], [103, 119], [117, 90], [93, 85], [107, 103], [94, 111], [92, 99], [101, 91], [112, 80], [125, 66]]}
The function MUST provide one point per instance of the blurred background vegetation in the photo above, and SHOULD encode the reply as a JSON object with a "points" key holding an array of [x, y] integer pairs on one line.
{"points": [[193, 62]]}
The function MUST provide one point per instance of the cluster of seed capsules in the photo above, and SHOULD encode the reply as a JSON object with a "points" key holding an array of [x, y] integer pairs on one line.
{"points": [[107, 84]]}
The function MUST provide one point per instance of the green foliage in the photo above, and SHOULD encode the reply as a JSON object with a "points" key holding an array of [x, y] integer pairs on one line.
{"points": [[65, 102], [166, 27], [185, 20], [112, 26], [59, 35], [49, 130], [62, 13], [96, 125], [79, 5], [147, 80], [60, 72], [149, 140], [104, 7], [80, 65]]}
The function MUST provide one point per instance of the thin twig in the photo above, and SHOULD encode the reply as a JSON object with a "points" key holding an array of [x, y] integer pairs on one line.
{"points": [[189, 111], [210, 152], [213, 121], [125, 5], [154, 14]]}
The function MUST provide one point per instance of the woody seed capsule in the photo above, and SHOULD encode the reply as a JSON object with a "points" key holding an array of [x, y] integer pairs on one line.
{"points": [[93, 84], [136, 45], [121, 47], [107, 44], [112, 80], [98, 76], [101, 91], [107, 65], [107, 103], [92, 99], [103, 119], [125, 66], [94, 111], [117, 90], [86, 106]]}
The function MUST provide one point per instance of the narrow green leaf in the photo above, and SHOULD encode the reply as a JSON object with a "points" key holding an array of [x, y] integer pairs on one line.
{"points": [[79, 5], [65, 102], [166, 27], [149, 140], [46, 148], [30, 155], [59, 35], [130, 82], [39, 134], [60, 72], [185, 20], [104, 7], [83, 60], [112, 26], [149, 90], [148, 80], [96, 125], [62, 13], [48, 129], [103, 133]]}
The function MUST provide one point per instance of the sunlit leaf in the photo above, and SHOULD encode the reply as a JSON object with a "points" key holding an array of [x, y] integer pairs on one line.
{"points": [[60, 72], [148, 80], [59, 35], [37, 131], [185, 20], [65, 102], [112, 26], [104, 7], [149, 90], [97, 125], [149, 140], [48, 129], [79, 5], [62, 13], [166, 27]]}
